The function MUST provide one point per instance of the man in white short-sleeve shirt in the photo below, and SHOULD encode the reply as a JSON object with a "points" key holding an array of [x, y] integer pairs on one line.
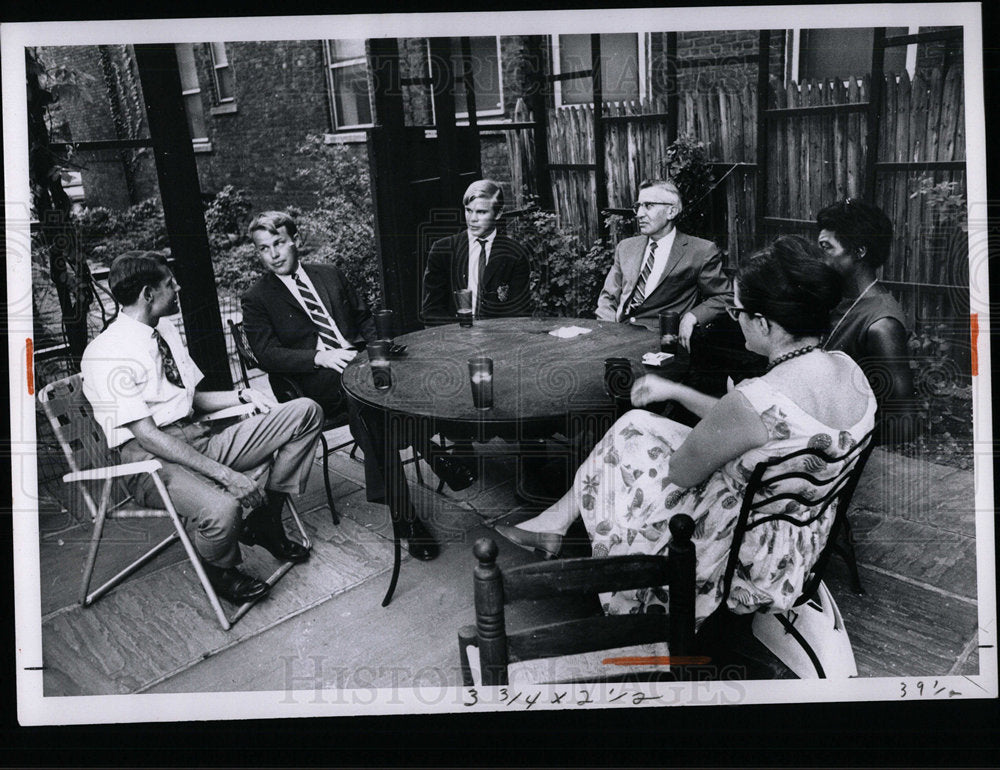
{"points": [[142, 385]]}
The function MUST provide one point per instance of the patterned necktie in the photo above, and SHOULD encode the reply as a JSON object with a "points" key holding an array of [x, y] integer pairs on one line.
{"points": [[169, 364], [639, 292], [482, 270], [318, 314]]}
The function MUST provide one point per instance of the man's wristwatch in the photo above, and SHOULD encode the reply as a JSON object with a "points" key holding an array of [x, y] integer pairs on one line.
{"points": [[241, 395]]}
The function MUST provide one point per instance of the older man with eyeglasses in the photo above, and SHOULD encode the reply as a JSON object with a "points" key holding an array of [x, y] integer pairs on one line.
{"points": [[664, 269]]}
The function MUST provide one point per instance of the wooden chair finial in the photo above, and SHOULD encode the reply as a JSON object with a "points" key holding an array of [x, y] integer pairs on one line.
{"points": [[486, 551], [681, 528]]}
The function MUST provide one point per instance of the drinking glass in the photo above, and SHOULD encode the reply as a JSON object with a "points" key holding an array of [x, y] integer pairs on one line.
{"points": [[378, 358], [481, 379], [463, 303]]}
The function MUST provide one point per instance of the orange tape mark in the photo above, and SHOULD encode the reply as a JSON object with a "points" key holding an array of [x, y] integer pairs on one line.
{"points": [[29, 354], [974, 331], [658, 660]]}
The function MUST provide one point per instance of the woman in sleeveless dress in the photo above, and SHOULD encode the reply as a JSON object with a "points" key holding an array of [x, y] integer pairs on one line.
{"points": [[869, 324], [648, 468]]}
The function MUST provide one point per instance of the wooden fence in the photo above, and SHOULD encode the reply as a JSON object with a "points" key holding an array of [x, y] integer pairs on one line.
{"points": [[811, 161]]}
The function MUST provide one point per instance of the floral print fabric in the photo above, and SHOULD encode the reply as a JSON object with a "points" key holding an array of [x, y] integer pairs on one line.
{"points": [[622, 494]]}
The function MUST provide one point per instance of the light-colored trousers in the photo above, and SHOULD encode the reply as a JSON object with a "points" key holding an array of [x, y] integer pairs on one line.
{"points": [[288, 433]]}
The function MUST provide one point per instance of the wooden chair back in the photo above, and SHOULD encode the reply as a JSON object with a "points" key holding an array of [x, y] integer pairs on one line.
{"points": [[493, 589], [822, 497]]}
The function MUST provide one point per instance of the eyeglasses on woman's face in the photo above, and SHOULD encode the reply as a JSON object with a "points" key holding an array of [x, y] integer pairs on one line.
{"points": [[734, 312]]}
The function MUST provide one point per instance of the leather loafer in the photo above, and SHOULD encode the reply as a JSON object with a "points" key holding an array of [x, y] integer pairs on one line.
{"points": [[547, 544], [235, 586], [419, 542], [280, 547], [455, 474]]}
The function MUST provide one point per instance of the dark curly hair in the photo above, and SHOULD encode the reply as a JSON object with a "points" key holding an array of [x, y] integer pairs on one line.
{"points": [[788, 283], [859, 225], [132, 271]]}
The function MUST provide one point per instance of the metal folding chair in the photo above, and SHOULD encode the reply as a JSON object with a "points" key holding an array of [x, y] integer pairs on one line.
{"points": [[91, 462]]}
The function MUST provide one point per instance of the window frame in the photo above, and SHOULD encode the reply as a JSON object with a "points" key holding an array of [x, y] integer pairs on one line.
{"points": [[331, 65], [216, 66], [642, 67], [793, 54], [460, 114], [487, 113], [192, 96]]}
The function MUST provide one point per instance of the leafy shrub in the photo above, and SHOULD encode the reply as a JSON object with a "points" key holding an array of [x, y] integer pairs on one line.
{"points": [[943, 403], [236, 268], [345, 241], [566, 275], [341, 230], [686, 162], [227, 215], [945, 199], [104, 233]]}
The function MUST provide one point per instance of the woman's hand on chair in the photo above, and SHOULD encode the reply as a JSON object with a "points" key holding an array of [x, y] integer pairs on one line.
{"points": [[652, 389]]}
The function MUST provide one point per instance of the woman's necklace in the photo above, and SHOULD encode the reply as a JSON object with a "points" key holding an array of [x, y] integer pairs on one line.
{"points": [[789, 356], [847, 313]]}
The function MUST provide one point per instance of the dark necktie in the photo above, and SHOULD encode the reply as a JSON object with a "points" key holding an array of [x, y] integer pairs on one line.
{"points": [[482, 270], [639, 292], [318, 314], [169, 364]]}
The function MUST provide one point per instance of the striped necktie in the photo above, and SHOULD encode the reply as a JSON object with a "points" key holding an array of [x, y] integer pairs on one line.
{"points": [[318, 314], [170, 369], [482, 269], [639, 292]]}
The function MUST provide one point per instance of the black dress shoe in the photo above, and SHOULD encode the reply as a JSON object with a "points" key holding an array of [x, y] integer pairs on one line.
{"points": [[279, 546], [455, 474], [235, 586], [419, 542]]}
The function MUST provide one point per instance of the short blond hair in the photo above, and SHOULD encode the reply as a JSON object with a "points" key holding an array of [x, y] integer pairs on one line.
{"points": [[271, 221], [486, 189]]}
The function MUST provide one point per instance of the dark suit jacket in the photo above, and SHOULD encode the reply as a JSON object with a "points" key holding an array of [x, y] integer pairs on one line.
{"points": [[506, 282], [693, 281], [282, 335]]}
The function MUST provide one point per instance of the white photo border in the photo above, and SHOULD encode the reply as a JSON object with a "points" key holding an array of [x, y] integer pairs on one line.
{"points": [[33, 708]]}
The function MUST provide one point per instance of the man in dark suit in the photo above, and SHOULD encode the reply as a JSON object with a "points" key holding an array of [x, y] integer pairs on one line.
{"points": [[307, 323], [495, 268], [664, 269]]}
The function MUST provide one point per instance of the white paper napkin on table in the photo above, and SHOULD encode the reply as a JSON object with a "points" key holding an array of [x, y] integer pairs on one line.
{"points": [[656, 359], [568, 332]]}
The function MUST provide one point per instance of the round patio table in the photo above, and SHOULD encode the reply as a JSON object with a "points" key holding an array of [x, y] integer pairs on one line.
{"points": [[542, 384]]}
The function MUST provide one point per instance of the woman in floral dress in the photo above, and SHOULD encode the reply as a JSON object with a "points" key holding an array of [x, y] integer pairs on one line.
{"points": [[648, 468]]}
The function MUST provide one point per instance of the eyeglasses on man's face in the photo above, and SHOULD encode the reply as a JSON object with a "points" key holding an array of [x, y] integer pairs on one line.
{"points": [[650, 204], [734, 312]]}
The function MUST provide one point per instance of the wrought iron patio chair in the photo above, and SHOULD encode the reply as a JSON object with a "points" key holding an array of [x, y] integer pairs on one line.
{"points": [[814, 612]]}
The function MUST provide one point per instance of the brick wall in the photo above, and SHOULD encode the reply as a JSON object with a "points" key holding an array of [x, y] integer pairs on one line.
{"points": [[696, 54], [941, 55], [280, 98], [111, 178]]}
